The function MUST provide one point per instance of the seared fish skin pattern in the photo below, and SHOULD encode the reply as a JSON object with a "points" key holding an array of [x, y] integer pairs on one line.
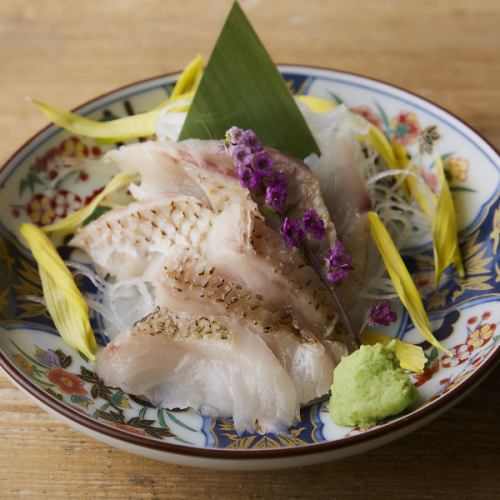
{"points": [[206, 363]]}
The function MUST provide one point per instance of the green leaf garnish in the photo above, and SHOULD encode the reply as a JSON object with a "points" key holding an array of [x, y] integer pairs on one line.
{"points": [[241, 86]]}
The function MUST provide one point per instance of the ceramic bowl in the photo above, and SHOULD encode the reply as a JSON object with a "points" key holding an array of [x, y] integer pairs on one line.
{"points": [[44, 180]]}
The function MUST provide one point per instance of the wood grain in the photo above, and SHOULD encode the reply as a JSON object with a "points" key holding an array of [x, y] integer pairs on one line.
{"points": [[68, 52]]}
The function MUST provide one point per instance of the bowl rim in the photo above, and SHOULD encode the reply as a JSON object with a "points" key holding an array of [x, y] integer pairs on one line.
{"points": [[223, 453]]}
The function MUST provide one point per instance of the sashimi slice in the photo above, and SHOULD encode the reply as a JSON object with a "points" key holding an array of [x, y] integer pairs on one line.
{"points": [[257, 257], [211, 364], [135, 240], [200, 168], [342, 184], [189, 287], [193, 168]]}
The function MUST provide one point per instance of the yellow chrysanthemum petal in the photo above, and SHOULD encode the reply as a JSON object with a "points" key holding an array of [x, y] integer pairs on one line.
{"points": [[444, 229], [317, 104], [190, 78], [401, 279], [75, 219], [400, 154], [383, 147], [129, 127], [422, 194], [65, 303], [411, 357], [440, 211], [394, 155]]}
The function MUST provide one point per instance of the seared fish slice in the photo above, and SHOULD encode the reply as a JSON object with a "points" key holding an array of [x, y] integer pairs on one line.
{"points": [[135, 241], [212, 364], [188, 286], [199, 168]]}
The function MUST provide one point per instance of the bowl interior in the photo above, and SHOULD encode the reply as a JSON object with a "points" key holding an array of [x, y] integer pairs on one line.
{"points": [[49, 177]]}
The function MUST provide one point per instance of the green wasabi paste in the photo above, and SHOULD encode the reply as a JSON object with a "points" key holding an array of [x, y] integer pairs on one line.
{"points": [[369, 385]]}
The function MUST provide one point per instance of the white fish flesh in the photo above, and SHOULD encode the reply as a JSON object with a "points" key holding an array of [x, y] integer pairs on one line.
{"points": [[212, 364], [136, 239], [201, 240], [188, 286], [192, 168], [342, 184], [132, 240], [200, 168]]}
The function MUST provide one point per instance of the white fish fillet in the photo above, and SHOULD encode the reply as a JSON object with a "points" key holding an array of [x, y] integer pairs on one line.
{"points": [[190, 287], [197, 235], [211, 364], [199, 168], [193, 168], [135, 241], [342, 184]]}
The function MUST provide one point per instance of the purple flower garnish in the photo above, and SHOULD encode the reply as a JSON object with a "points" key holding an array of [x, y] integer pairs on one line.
{"points": [[338, 263], [313, 224], [241, 155], [234, 135], [292, 232], [337, 276], [263, 162], [250, 140], [277, 192], [381, 314], [249, 178]]}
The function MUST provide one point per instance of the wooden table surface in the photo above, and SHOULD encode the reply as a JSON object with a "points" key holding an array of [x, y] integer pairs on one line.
{"points": [[66, 52]]}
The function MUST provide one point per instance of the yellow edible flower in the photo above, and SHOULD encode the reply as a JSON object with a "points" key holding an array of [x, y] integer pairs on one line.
{"points": [[444, 229], [411, 357], [129, 127], [401, 279], [383, 147], [65, 303], [440, 210], [317, 104], [190, 78], [75, 219]]}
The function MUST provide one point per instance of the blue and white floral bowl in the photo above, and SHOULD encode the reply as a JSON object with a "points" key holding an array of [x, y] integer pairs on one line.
{"points": [[44, 180]]}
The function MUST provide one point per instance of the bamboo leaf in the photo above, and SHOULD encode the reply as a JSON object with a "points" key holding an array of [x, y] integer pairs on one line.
{"points": [[241, 86]]}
